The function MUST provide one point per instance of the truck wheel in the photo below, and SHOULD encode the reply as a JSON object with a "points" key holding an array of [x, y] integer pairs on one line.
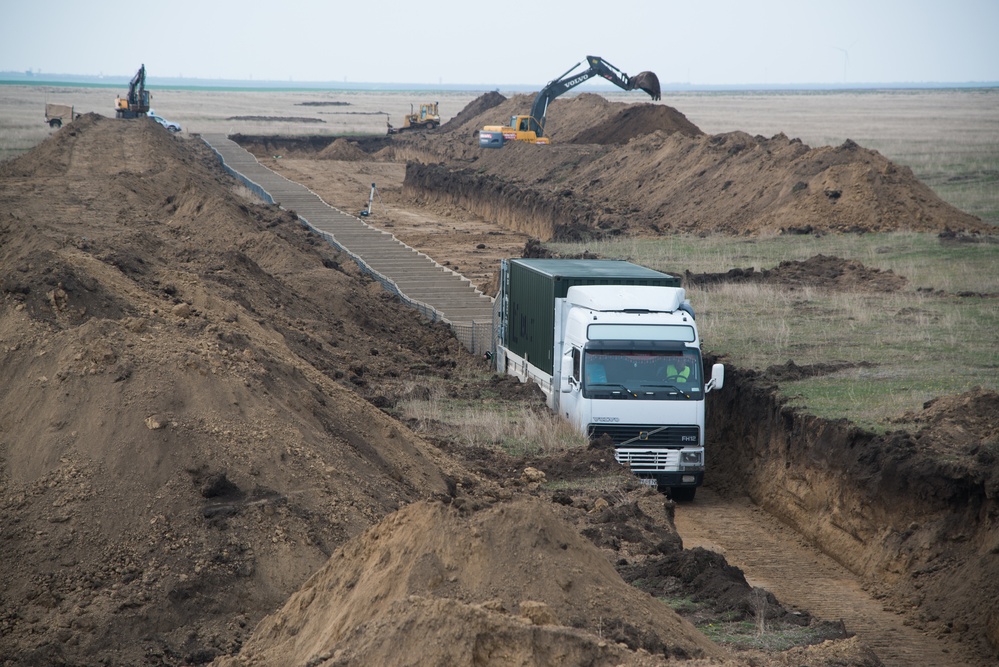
{"points": [[682, 494], [56, 123]]}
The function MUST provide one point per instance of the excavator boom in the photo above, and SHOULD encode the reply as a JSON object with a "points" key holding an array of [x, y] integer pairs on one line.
{"points": [[532, 128]]}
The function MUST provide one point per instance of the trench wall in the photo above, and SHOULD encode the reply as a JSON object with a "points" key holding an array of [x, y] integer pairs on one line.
{"points": [[867, 500], [541, 215]]}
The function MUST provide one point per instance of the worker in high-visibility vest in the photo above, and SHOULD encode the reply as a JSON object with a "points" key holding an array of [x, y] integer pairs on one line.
{"points": [[678, 370]]}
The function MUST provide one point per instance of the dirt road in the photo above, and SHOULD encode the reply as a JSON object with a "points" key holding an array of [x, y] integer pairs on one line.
{"points": [[776, 558]]}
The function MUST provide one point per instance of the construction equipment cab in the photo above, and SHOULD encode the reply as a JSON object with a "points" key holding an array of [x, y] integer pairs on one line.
{"points": [[531, 128]]}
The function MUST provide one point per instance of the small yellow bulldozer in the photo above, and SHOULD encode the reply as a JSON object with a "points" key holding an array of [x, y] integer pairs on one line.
{"points": [[427, 119]]}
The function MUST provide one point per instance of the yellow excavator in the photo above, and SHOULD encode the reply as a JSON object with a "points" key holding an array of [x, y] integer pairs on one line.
{"points": [[427, 119], [136, 104], [532, 128]]}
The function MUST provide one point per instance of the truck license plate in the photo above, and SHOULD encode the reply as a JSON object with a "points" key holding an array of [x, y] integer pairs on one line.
{"points": [[649, 481]]}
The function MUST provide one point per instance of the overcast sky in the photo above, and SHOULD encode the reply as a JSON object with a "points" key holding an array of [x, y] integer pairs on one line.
{"points": [[703, 42]]}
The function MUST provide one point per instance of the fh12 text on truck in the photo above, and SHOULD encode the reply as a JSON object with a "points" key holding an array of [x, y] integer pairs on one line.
{"points": [[616, 350]]}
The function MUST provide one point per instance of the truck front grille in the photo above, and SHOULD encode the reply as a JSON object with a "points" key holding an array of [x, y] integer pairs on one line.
{"points": [[646, 460], [643, 435]]}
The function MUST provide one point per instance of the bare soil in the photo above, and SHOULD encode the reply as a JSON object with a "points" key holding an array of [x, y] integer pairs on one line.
{"points": [[199, 459]]}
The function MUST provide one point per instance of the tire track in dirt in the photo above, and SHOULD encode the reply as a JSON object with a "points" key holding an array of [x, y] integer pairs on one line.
{"points": [[774, 557]]}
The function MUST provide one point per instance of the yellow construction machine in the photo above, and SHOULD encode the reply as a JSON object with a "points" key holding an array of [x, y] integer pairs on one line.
{"points": [[136, 104], [427, 119], [532, 128]]}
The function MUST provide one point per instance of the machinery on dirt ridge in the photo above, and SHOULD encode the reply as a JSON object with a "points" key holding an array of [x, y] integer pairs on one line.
{"points": [[136, 104], [532, 128], [427, 119]]}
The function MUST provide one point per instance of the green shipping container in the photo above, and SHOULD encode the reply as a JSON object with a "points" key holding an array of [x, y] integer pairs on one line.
{"points": [[532, 285]]}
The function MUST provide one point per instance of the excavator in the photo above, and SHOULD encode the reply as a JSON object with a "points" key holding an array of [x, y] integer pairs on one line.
{"points": [[137, 102], [532, 128]]}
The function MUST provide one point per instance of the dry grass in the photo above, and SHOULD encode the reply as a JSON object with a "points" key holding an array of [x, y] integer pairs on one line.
{"points": [[514, 428], [907, 346]]}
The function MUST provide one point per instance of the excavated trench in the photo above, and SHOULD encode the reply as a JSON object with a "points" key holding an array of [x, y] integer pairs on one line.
{"points": [[919, 536], [922, 537], [561, 217]]}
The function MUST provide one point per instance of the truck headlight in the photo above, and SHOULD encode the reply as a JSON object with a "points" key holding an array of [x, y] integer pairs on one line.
{"points": [[691, 458]]}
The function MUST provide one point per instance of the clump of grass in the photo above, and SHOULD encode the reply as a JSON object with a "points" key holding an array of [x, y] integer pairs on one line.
{"points": [[515, 429], [738, 631]]}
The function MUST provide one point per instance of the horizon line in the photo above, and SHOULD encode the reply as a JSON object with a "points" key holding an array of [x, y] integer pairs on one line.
{"points": [[14, 77]]}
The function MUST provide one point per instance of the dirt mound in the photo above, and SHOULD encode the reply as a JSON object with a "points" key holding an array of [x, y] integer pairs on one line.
{"points": [[342, 149], [636, 120], [496, 568], [818, 271], [669, 177], [956, 421], [474, 110], [185, 432]]}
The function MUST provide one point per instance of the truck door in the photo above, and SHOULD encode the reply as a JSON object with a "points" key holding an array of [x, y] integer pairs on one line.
{"points": [[570, 404]]}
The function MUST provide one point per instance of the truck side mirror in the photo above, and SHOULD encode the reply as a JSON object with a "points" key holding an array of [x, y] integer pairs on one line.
{"points": [[717, 380], [566, 376]]}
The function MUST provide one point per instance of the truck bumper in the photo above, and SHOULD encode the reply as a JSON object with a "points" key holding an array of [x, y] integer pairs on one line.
{"points": [[674, 479]]}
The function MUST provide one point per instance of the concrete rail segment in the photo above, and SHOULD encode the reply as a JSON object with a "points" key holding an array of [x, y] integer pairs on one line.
{"points": [[438, 292]]}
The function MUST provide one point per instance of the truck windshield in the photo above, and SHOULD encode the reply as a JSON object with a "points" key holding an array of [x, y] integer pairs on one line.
{"points": [[660, 375]]}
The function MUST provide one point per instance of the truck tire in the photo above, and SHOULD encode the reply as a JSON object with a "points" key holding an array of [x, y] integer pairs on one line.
{"points": [[55, 123], [682, 494]]}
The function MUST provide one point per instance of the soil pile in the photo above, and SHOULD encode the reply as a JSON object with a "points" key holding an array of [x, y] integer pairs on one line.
{"points": [[670, 177], [341, 149], [509, 584], [818, 271], [183, 426], [474, 109], [636, 120]]}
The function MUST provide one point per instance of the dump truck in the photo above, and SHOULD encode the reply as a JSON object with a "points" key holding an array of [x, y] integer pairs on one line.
{"points": [[615, 348], [57, 114], [426, 119], [532, 128]]}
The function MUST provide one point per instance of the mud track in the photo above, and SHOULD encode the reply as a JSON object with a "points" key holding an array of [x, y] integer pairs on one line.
{"points": [[776, 558]]}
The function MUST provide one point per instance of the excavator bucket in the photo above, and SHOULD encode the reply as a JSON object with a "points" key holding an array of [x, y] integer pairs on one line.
{"points": [[649, 82]]}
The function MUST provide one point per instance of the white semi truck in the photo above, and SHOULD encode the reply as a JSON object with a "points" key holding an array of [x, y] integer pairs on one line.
{"points": [[615, 348]]}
